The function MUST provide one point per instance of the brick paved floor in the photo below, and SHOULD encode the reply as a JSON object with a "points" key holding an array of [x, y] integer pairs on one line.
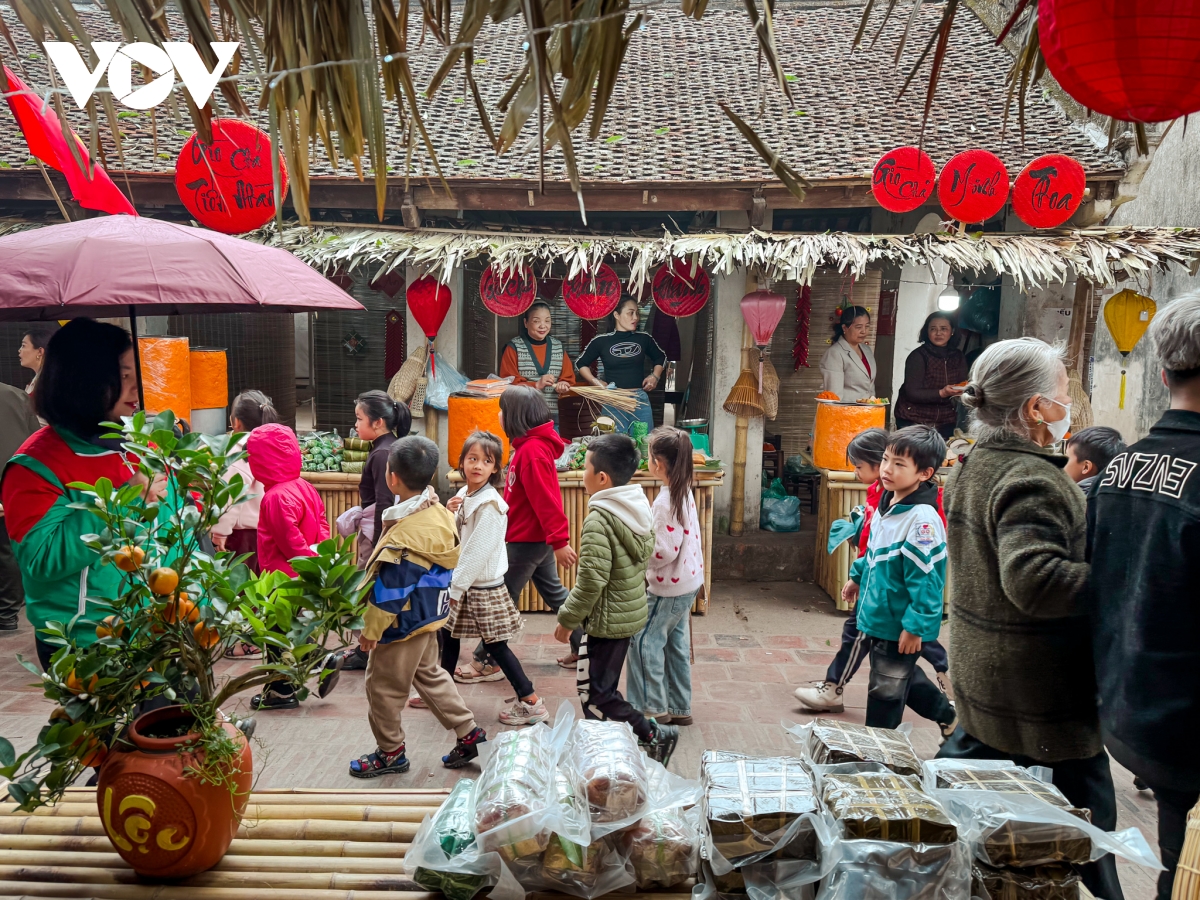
{"points": [[757, 644]]}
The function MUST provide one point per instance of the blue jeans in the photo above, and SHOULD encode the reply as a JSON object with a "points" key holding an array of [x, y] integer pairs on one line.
{"points": [[659, 673], [625, 419]]}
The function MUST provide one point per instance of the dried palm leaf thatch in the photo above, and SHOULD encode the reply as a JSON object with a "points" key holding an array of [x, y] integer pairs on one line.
{"points": [[617, 398], [744, 399]]}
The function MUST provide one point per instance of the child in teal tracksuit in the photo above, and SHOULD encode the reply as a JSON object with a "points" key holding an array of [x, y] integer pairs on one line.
{"points": [[900, 580]]}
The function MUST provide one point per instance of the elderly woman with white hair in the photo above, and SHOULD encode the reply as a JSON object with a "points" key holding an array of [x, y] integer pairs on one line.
{"points": [[1020, 640], [1144, 542]]}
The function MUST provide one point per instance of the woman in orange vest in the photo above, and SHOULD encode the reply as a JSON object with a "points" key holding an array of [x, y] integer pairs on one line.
{"points": [[535, 358]]}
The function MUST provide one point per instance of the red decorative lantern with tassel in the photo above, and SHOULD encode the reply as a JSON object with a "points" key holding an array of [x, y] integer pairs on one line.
{"points": [[1137, 60], [762, 311], [429, 301]]}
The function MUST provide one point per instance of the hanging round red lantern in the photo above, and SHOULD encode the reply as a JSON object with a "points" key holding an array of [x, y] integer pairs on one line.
{"points": [[1134, 61], [678, 291], [903, 179], [428, 301], [593, 295], [973, 186], [1048, 191], [509, 292], [227, 185]]}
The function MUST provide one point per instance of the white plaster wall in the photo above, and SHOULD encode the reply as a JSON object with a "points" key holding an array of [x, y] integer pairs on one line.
{"points": [[917, 298], [447, 345]]}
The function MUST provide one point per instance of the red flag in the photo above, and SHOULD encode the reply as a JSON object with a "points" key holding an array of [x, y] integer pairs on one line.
{"points": [[44, 136]]}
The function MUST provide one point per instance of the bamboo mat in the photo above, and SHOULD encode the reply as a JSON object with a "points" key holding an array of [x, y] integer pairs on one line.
{"points": [[292, 845]]}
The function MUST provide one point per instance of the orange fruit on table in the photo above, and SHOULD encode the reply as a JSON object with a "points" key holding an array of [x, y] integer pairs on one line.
{"points": [[163, 580], [181, 610], [110, 627], [75, 686], [205, 636], [127, 559], [59, 713]]}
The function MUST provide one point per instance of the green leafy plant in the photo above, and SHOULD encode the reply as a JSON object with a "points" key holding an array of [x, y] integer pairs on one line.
{"points": [[176, 610]]}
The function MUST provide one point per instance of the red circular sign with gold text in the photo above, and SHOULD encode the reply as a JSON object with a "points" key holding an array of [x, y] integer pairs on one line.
{"points": [[227, 185], [678, 291], [973, 186], [903, 179], [507, 293], [593, 295], [1048, 191]]}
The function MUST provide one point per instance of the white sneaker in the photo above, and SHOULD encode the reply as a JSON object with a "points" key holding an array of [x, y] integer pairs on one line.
{"points": [[821, 696], [522, 713]]}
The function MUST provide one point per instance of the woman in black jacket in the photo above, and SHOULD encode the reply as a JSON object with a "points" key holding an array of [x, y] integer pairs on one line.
{"points": [[931, 375], [381, 420]]}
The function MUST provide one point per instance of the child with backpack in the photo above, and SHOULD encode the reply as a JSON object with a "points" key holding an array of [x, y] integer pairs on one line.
{"points": [[609, 597], [659, 671], [412, 565], [480, 605], [865, 453]]}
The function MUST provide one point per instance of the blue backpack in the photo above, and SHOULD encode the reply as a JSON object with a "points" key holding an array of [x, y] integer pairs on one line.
{"points": [[419, 598]]}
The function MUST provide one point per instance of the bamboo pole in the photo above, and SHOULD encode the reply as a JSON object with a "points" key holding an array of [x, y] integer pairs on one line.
{"points": [[124, 875], [23, 888], [269, 829], [741, 428], [263, 812], [374, 865], [82, 845]]}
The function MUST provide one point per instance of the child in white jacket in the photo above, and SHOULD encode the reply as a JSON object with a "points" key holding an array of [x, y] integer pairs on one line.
{"points": [[659, 673], [480, 605]]}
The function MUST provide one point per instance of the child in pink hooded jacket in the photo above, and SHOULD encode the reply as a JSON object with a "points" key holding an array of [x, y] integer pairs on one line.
{"points": [[291, 515]]}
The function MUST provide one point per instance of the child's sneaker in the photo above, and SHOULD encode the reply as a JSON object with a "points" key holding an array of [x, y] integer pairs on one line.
{"points": [[821, 696], [522, 713], [465, 749], [379, 763], [662, 742]]}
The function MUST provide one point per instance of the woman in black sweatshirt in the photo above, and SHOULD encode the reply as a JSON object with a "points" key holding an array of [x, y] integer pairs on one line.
{"points": [[381, 420]]}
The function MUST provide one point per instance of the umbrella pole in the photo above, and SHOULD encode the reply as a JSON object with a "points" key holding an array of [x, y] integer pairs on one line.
{"points": [[137, 356]]}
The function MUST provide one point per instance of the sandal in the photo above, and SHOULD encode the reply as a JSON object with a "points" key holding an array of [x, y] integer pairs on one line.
{"points": [[474, 673], [379, 763], [243, 650], [466, 748], [569, 661], [416, 702]]}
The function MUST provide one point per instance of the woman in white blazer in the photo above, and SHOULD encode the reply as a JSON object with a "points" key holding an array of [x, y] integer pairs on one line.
{"points": [[848, 367]]}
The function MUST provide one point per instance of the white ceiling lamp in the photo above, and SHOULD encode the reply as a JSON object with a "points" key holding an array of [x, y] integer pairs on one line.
{"points": [[948, 299]]}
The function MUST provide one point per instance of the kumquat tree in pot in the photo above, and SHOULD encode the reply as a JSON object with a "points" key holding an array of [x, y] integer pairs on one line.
{"points": [[142, 702]]}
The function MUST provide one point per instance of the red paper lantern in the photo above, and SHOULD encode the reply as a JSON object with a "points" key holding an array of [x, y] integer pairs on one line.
{"points": [[903, 179], [1137, 60], [593, 295], [227, 185], [1048, 191], [428, 302], [678, 291], [973, 186], [509, 292]]}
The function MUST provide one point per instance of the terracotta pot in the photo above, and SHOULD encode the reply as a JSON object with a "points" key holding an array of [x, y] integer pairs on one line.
{"points": [[164, 823]]}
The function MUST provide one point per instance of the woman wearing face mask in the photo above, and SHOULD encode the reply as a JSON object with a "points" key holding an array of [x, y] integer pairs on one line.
{"points": [[932, 374], [535, 358], [848, 367], [624, 351], [1024, 681]]}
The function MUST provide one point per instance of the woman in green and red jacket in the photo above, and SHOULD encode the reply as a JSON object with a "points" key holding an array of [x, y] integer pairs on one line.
{"points": [[88, 377]]}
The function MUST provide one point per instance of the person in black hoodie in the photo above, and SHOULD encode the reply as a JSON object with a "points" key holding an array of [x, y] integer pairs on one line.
{"points": [[1146, 621]]}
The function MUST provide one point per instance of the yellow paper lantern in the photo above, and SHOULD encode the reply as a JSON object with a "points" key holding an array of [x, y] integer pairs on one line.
{"points": [[1127, 315]]}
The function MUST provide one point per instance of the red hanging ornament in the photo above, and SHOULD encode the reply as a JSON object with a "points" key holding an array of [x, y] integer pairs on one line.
{"points": [[428, 302], [227, 185], [507, 293], [393, 344], [1137, 60], [678, 291], [342, 279], [762, 311], [803, 317], [390, 283], [1048, 191], [903, 179], [593, 295], [973, 186]]}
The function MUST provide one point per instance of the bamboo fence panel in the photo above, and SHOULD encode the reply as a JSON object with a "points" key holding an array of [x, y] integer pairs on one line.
{"points": [[839, 493]]}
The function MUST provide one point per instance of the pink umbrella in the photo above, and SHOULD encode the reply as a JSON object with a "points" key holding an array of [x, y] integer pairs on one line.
{"points": [[762, 311], [122, 265]]}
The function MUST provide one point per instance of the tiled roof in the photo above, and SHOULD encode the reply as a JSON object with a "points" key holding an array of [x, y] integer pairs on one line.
{"points": [[664, 123]]}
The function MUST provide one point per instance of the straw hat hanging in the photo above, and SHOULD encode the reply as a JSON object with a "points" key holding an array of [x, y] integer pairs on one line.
{"points": [[744, 399]]}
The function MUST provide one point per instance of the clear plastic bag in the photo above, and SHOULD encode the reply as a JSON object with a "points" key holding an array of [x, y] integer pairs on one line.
{"points": [[444, 855], [663, 846], [444, 380], [1056, 882], [885, 870], [514, 803], [827, 742], [885, 806], [989, 820], [611, 769]]}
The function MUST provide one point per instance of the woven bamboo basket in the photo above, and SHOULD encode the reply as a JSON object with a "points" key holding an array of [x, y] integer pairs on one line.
{"points": [[1187, 875], [744, 399], [404, 382]]}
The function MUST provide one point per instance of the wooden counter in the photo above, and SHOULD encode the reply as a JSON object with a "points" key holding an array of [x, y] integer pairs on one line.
{"points": [[340, 493]]}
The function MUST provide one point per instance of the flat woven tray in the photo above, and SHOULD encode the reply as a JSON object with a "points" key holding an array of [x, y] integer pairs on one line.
{"points": [[293, 845]]}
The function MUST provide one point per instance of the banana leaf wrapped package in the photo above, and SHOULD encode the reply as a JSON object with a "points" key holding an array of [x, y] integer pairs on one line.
{"points": [[887, 807], [831, 742], [1053, 882], [662, 847]]}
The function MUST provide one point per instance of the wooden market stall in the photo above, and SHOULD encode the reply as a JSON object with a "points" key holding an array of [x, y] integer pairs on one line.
{"points": [[340, 493]]}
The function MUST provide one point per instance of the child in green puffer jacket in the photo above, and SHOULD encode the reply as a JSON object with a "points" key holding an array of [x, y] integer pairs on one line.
{"points": [[609, 597]]}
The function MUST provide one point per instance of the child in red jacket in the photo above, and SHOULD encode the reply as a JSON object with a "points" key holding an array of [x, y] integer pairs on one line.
{"points": [[291, 520], [538, 536], [865, 452]]}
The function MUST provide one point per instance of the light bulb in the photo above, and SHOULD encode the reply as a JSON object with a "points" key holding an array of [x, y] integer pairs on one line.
{"points": [[948, 299]]}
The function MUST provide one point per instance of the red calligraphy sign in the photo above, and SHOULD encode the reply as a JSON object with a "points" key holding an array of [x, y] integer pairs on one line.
{"points": [[903, 179], [1048, 191], [973, 186], [227, 185], [678, 291], [593, 295], [509, 292]]}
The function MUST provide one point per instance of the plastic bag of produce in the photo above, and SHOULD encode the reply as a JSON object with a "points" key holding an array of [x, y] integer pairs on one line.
{"points": [[779, 515], [612, 772], [1056, 882], [886, 870], [884, 806], [444, 855], [663, 847], [827, 742], [444, 380]]}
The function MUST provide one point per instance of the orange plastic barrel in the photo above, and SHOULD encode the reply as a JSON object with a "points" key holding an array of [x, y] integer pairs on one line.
{"points": [[467, 414], [167, 375], [837, 425], [210, 378]]}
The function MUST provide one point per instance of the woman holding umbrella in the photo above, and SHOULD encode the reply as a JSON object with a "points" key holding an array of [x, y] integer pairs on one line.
{"points": [[88, 377]]}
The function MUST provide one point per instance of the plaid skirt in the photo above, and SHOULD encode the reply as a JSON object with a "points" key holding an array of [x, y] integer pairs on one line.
{"points": [[486, 613]]}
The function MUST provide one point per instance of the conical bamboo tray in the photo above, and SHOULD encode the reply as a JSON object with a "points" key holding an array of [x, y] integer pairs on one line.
{"points": [[292, 845]]}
